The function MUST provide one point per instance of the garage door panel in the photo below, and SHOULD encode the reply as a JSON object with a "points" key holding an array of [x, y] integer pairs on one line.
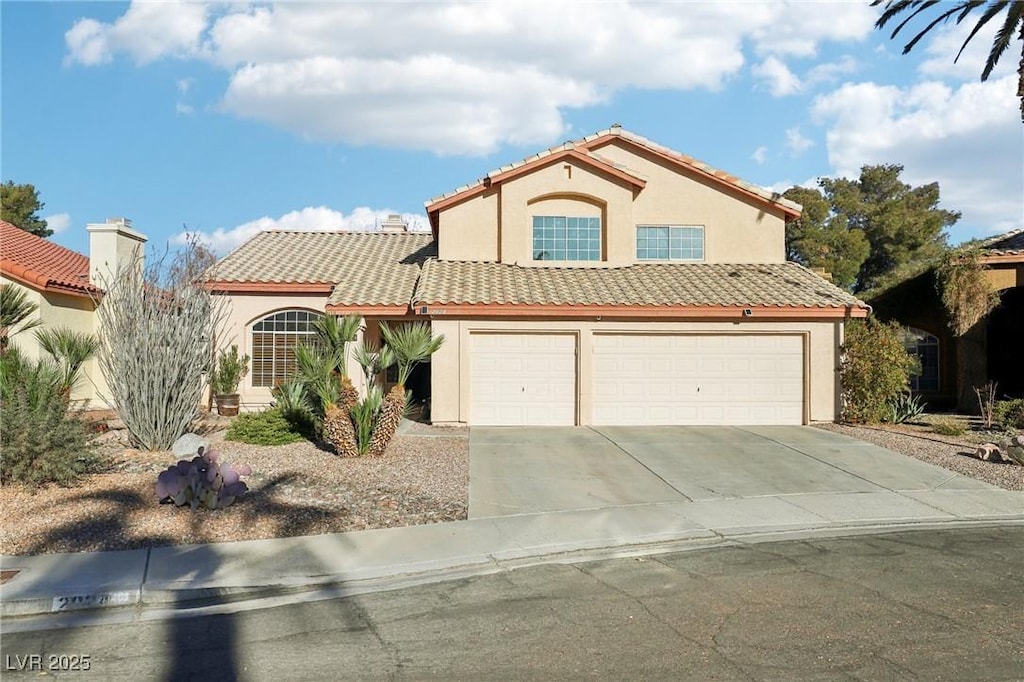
{"points": [[522, 379], [698, 379]]}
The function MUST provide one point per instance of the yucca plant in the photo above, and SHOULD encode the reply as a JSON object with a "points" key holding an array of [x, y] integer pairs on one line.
{"points": [[70, 350], [322, 369], [16, 311], [373, 359], [411, 343], [365, 415]]}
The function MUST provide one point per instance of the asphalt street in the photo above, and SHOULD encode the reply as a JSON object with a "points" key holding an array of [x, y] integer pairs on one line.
{"points": [[935, 605]]}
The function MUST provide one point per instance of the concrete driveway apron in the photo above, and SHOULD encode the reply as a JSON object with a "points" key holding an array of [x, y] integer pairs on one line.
{"points": [[523, 470]]}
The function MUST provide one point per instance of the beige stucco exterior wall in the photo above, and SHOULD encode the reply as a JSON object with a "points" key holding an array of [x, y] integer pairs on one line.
{"points": [[470, 229], [737, 228], [244, 310], [75, 313], [450, 400]]}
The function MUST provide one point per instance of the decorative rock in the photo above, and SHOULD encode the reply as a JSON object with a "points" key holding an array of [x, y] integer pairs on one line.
{"points": [[188, 445], [1015, 453], [1017, 441], [990, 452]]}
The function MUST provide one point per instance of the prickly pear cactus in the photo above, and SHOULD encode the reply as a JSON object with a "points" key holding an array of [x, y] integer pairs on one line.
{"points": [[202, 481], [388, 420]]}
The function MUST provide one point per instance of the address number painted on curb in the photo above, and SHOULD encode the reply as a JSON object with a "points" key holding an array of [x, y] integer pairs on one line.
{"points": [[70, 602]]}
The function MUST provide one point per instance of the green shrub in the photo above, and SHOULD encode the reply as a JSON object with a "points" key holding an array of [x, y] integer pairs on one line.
{"points": [[874, 371], [269, 427], [40, 440], [949, 427], [1009, 414]]}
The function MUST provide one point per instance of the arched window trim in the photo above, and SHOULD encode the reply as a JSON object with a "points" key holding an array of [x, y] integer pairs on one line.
{"points": [[926, 347], [272, 347]]}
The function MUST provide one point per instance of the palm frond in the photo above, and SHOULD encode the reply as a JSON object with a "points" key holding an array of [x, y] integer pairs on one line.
{"points": [[1005, 34], [412, 343]]}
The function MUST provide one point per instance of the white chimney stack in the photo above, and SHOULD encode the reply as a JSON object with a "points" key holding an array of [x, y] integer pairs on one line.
{"points": [[112, 245], [394, 223]]}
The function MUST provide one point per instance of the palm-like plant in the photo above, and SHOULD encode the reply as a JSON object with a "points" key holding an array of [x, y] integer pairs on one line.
{"points": [[15, 313], [1013, 23], [373, 359], [70, 350], [411, 343]]}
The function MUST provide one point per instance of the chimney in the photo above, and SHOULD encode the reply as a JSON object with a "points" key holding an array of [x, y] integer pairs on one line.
{"points": [[112, 245], [394, 223]]}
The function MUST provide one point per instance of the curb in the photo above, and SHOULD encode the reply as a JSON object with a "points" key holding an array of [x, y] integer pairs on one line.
{"points": [[191, 600]]}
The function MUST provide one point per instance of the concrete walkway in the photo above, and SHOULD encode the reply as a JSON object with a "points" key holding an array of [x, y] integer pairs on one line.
{"points": [[594, 493]]}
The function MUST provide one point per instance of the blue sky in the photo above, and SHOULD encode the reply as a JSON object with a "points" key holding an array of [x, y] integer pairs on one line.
{"points": [[226, 118]]}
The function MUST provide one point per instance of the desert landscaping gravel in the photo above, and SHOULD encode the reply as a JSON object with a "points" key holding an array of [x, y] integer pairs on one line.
{"points": [[300, 489], [293, 490], [948, 452]]}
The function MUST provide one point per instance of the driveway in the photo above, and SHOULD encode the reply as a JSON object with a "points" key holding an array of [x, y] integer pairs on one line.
{"points": [[523, 470]]}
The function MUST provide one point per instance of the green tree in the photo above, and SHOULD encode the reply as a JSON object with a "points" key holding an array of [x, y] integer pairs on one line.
{"points": [[868, 226], [1013, 23], [822, 238], [19, 205]]}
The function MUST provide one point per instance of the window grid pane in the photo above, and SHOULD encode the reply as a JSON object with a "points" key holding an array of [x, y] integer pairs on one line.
{"points": [[273, 345], [566, 238], [669, 242]]}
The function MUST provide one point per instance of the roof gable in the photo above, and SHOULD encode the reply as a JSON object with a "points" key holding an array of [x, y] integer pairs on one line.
{"points": [[587, 150], [43, 265]]}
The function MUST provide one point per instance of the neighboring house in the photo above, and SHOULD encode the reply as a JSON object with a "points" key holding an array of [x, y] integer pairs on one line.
{"points": [[991, 351], [64, 285], [606, 281]]}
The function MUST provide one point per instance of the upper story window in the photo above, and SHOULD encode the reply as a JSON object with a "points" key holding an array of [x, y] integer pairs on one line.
{"points": [[669, 242], [273, 345], [926, 348], [566, 238]]}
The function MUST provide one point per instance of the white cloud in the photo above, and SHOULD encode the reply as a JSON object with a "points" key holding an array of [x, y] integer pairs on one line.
{"points": [[759, 155], [58, 222], [184, 109], [781, 81], [831, 71], [309, 219], [797, 142], [967, 138], [147, 31], [943, 46], [459, 78], [184, 85]]}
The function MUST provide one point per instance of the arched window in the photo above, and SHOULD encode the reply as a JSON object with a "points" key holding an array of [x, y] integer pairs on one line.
{"points": [[926, 348], [273, 345]]}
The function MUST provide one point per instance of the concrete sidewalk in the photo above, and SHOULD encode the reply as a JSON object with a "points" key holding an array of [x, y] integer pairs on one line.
{"points": [[186, 575], [552, 494]]}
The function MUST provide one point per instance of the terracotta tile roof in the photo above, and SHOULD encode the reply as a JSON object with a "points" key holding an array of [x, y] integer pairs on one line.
{"points": [[41, 264], [359, 268], [646, 285], [1008, 244], [590, 147]]}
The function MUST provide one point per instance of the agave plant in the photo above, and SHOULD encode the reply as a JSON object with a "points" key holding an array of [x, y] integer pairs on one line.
{"points": [[365, 417], [202, 482]]}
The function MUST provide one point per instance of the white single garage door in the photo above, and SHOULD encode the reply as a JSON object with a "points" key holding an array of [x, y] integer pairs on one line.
{"points": [[698, 379], [522, 379]]}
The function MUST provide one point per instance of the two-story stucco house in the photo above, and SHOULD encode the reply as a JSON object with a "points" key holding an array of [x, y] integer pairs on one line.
{"points": [[605, 281]]}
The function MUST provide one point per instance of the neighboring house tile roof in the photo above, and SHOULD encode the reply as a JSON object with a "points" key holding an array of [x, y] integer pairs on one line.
{"points": [[1010, 243], [589, 147], [647, 287], [41, 264], [356, 268]]}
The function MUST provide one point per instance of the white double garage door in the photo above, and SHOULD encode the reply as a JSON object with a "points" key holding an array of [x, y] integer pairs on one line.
{"points": [[637, 379]]}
